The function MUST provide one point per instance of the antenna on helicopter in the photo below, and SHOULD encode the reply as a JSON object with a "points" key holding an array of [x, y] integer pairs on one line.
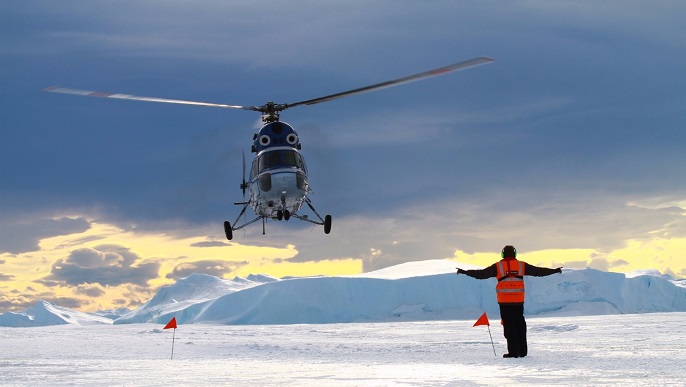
{"points": [[244, 184]]}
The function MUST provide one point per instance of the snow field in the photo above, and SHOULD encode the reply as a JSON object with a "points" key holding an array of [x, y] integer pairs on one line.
{"points": [[640, 349]]}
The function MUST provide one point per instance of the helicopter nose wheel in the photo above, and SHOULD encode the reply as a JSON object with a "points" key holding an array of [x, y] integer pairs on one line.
{"points": [[279, 215]]}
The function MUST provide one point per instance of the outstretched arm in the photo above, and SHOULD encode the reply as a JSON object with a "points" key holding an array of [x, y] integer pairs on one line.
{"points": [[536, 271], [488, 272]]}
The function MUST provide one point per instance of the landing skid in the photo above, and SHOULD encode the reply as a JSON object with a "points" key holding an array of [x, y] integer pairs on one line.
{"points": [[285, 215], [326, 221]]}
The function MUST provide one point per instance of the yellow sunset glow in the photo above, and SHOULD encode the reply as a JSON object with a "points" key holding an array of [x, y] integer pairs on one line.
{"points": [[28, 270], [27, 277]]}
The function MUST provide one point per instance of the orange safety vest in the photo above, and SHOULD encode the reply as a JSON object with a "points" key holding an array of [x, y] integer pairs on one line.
{"points": [[510, 288]]}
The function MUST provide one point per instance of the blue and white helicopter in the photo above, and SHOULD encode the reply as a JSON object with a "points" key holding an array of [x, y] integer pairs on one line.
{"points": [[277, 183]]}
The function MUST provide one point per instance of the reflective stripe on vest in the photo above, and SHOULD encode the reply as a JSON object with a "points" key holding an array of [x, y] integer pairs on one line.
{"points": [[510, 288]]}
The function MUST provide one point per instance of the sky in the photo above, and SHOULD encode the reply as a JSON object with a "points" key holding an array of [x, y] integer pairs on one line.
{"points": [[568, 146]]}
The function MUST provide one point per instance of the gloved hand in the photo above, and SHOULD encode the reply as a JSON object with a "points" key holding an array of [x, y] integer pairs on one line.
{"points": [[558, 270], [460, 271]]}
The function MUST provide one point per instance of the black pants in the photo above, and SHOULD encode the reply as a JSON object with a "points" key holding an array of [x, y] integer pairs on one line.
{"points": [[515, 328]]}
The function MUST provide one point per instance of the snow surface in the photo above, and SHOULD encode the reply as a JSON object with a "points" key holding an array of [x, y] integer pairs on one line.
{"points": [[613, 350], [415, 291]]}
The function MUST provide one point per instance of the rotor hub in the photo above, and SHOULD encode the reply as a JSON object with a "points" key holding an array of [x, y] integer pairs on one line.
{"points": [[270, 111]]}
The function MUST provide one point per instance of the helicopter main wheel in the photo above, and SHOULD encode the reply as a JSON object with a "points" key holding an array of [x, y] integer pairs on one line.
{"points": [[327, 224], [227, 230]]}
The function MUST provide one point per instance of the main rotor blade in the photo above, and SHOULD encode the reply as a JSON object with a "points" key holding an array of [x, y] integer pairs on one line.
{"points": [[102, 94], [395, 82]]}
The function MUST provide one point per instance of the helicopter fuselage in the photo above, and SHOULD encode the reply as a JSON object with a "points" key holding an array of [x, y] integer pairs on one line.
{"points": [[278, 179], [278, 176], [278, 182]]}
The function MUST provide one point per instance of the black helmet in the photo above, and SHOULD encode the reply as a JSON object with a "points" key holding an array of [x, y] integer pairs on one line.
{"points": [[509, 251]]}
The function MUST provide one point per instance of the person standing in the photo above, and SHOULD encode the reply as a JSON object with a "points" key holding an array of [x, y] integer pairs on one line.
{"points": [[510, 294]]}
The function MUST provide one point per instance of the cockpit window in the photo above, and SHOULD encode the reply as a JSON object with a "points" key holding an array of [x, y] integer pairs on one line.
{"points": [[280, 159], [254, 169]]}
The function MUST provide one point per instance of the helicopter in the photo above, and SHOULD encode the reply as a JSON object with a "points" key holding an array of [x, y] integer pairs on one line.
{"points": [[277, 184]]}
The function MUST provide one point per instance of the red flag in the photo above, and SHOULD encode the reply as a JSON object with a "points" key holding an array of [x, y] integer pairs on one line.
{"points": [[171, 324], [483, 320]]}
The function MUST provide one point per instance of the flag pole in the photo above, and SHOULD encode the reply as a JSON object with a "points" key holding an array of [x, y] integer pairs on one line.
{"points": [[483, 320], [172, 324], [174, 337], [489, 334]]}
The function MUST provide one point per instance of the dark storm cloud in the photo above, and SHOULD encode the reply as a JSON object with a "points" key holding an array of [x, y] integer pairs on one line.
{"points": [[68, 302], [15, 302], [20, 236], [7, 306], [6, 277], [90, 290], [105, 265], [19, 301], [583, 101], [217, 268]]}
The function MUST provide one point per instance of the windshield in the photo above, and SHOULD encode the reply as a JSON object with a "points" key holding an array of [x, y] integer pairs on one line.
{"points": [[280, 159]]}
